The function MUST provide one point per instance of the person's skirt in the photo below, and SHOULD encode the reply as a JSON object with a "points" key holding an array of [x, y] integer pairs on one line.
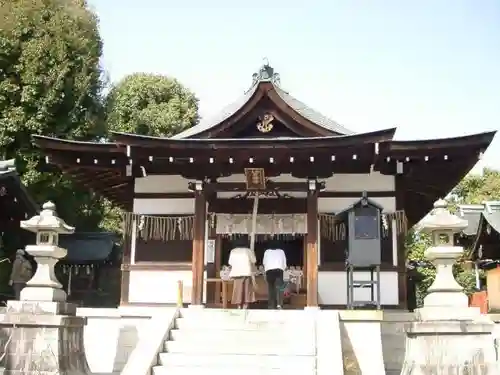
{"points": [[243, 291]]}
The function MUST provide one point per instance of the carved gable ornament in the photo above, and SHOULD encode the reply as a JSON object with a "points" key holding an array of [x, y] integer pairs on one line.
{"points": [[265, 124]]}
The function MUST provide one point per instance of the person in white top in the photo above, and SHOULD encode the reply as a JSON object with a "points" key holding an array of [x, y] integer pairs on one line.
{"points": [[274, 265], [242, 262]]}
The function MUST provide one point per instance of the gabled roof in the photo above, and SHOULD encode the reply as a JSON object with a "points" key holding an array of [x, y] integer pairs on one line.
{"points": [[471, 213], [479, 214], [266, 75]]}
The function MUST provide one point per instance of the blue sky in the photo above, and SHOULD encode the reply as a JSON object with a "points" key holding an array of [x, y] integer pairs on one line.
{"points": [[429, 67]]}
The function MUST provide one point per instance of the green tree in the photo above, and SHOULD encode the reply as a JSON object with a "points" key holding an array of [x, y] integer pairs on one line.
{"points": [[150, 104], [50, 84], [478, 188]]}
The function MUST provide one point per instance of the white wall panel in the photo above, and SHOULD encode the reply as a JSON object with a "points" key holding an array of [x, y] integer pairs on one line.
{"points": [[332, 287], [164, 206], [339, 182]]}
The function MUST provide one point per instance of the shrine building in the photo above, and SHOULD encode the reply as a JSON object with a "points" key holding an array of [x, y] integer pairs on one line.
{"points": [[339, 202]]}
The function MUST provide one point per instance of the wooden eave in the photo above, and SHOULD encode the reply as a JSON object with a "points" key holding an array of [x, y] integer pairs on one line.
{"points": [[189, 157], [98, 166], [451, 146], [53, 143], [195, 145], [431, 168]]}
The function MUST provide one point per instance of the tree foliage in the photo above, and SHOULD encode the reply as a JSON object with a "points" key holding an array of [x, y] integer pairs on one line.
{"points": [[475, 189], [50, 84], [472, 189], [150, 104]]}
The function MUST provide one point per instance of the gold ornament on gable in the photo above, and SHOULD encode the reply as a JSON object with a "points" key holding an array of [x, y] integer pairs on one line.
{"points": [[265, 123]]}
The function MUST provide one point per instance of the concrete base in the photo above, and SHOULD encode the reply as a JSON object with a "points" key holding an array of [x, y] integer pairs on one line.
{"points": [[449, 347], [43, 294], [440, 313], [43, 337], [312, 308], [196, 307]]}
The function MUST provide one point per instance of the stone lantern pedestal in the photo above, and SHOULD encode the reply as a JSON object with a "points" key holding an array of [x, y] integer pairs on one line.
{"points": [[41, 333], [448, 337]]}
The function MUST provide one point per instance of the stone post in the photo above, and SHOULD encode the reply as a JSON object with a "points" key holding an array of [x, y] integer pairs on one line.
{"points": [[448, 337], [41, 333]]}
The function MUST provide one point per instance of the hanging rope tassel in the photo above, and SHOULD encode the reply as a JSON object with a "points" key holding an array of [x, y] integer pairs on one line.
{"points": [[254, 229]]}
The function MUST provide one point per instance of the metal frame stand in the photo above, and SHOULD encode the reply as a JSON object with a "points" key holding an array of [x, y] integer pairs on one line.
{"points": [[373, 284]]}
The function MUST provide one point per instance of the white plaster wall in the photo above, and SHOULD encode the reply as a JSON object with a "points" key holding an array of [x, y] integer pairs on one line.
{"points": [[332, 287], [339, 182], [160, 287], [161, 184], [109, 338], [164, 206]]}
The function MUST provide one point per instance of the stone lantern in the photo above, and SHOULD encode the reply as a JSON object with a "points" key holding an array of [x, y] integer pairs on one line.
{"points": [[45, 335], [447, 336], [47, 226], [445, 296]]}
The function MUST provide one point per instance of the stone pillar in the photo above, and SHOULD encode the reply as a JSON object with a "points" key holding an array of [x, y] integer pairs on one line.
{"points": [[448, 336], [41, 333]]}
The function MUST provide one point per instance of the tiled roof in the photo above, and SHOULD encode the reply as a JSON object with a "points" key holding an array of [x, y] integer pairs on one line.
{"points": [[266, 74], [311, 115], [473, 213], [11, 180]]}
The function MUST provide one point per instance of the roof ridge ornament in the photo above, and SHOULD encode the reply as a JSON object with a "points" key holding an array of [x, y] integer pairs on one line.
{"points": [[266, 73]]}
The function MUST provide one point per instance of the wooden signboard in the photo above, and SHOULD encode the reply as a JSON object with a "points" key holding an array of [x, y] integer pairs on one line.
{"points": [[255, 178]]}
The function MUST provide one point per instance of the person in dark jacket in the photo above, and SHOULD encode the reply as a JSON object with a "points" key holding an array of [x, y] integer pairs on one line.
{"points": [[22, 272]]}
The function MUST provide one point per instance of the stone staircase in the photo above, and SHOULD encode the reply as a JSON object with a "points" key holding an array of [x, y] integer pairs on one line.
{"points": [[213, 341]]}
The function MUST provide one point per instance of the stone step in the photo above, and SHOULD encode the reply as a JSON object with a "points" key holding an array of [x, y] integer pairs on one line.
{"points": [[232, 324], [251, 335], [237, 347], [295, 363], [292, 316], [226, 370]]}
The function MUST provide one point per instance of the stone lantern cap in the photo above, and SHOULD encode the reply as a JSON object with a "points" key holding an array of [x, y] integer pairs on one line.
{"points": [[442, 219], [47, 221]]}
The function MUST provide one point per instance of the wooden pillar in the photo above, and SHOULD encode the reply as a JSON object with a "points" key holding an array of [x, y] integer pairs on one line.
{"points": [[304, 262], [218, 265], [198, 262], [312, 245], [402, 271]]}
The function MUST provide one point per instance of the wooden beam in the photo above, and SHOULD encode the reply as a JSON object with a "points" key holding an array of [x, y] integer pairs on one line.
{"points": [[312, 248], [198, 263], [270, 186], [266, 206]]}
